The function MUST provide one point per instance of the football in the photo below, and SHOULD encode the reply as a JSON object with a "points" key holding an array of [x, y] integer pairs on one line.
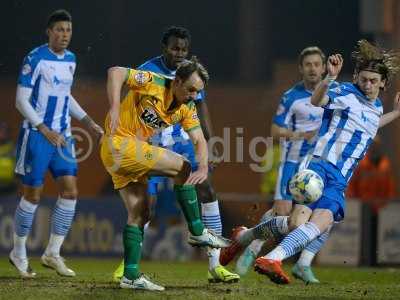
{"points": [[306, 186]]}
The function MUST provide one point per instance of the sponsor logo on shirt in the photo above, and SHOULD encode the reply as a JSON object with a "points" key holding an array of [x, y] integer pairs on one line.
{"points": [[312, 117], [57, 81], [150, 118]]}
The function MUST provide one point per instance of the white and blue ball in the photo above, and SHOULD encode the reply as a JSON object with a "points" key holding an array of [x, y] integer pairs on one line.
{"points": [[306, 186]]}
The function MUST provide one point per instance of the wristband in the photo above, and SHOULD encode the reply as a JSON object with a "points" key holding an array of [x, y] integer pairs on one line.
{"points": [[329, 79]]}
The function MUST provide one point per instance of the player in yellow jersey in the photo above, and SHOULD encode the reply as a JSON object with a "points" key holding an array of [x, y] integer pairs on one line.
{"points": [[175, 49], [153, 103]]}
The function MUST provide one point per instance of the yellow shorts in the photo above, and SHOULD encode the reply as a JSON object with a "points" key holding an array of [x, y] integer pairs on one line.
{"points": [[128, 159]]}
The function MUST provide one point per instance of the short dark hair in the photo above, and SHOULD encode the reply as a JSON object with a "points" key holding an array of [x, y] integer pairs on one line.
{"points": [[175, 31], [310, 51], [188, 67], [58, 16]]}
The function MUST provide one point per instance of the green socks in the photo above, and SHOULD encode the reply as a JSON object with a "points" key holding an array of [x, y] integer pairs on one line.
{"points": [[187, 198], [133, 238]]}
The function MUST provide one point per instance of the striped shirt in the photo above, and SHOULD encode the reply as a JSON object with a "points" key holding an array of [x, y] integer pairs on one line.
{"points": [[349, 124], [50, 76], [295, 112]]}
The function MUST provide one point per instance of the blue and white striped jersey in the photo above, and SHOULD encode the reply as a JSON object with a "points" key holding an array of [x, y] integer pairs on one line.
{"points": [[174, 133], [349, 124], [50, 76], [295, 112]]}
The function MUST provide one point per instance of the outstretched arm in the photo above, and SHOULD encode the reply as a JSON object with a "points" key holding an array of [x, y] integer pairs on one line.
{"points": [[394, 114], [334, 65], [278, 132]]}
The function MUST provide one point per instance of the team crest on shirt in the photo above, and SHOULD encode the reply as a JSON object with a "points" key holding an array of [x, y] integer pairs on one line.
{"points": [[280, 110], [71, 69], [26, 69], [337, 90], [142, 77], [152, 119]]}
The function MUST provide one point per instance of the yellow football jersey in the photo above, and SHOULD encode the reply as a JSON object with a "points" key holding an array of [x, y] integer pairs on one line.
{"points": [[146, 107]]}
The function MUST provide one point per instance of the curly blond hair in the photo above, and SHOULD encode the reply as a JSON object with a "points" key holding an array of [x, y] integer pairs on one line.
{"points": [[372, 58]]}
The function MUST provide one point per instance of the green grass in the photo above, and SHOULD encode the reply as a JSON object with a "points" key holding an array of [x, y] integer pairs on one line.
{"points": [[188, 281]]}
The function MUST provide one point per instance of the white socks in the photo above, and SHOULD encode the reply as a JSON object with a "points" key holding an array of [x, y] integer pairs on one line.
{"points": [[306, 258], [212, 220]]}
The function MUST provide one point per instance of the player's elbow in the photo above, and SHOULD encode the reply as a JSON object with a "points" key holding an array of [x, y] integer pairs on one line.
{"points": [[272, 131], [276, 131], [116, 72], [200, 141], [314, 101], [19, 98]]}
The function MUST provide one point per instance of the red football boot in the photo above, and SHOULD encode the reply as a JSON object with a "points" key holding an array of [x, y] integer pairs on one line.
{"points": [[271, 268], [229, 253]]}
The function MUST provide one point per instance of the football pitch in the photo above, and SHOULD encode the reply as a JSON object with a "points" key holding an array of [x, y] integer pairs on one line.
{"points": [[188, 281]]}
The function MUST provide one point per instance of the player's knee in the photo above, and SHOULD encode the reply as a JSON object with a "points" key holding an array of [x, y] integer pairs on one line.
{"points": [[32, 198], [32, 195], [282, 211], [138, 219], [151, 203], [69, 194], [295, 222], [205, 192], [184, 172]]}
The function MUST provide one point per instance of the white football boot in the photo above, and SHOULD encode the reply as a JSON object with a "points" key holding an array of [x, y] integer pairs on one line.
{"points": [[208, 238], [58, 264], [22, 265], [140, 283]]}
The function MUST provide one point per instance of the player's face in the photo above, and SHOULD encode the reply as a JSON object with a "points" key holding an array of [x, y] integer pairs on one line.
{"points": [[312, 69], [370, 83], [175, 51], [186, 91], [60, 35]]}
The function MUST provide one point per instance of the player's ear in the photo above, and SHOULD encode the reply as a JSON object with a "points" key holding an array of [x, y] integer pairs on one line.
{"points": [[382, 84], [163, 48], [355, 77], [300, 69], [177, 81]]}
